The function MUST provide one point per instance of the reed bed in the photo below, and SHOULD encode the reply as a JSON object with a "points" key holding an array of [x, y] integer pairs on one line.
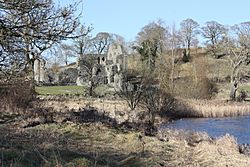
{"points": [[211, 108]]}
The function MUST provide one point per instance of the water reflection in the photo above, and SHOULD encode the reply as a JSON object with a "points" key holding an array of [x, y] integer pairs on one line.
{"points": [[239, 127]]}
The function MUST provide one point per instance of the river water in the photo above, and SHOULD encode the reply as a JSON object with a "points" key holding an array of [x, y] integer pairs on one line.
{"points": [[239, 127]]}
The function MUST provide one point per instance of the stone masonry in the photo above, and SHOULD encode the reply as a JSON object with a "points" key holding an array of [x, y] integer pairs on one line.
{"points": [[105, 68], [39, 70]]}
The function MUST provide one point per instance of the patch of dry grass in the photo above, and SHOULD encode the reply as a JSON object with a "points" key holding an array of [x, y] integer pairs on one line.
{"points": [[220, 152], [71, 103], [212, 108], [183, 108], [176, 151], [64, 143]]}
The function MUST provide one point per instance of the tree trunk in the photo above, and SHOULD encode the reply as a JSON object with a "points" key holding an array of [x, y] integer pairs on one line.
{"points": [[172, 72], [188, 50], [234, 83], [233, 90], [33, 82], [188, 53], [91, 90], [185, 56]]}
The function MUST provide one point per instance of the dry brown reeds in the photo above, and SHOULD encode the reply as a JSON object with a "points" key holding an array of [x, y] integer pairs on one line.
{"points": [[198, 149], [211, 108], [221, 152]]}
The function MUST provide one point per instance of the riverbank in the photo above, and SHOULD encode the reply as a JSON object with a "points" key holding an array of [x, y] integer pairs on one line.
{"points": [[215, 127], [96, 144], [82, 132]]}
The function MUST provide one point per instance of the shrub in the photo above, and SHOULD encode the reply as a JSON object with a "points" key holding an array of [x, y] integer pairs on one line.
{"points": [[242, 95], [157, 102], [203, 88], [196, 84], [16, 94], [67, 76]]}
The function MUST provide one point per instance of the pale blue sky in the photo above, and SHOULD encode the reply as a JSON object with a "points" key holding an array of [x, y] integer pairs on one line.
{"points": [[127, 17]]}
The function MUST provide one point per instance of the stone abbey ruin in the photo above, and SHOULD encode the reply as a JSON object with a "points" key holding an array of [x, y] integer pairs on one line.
{"points": [[98, 68]]}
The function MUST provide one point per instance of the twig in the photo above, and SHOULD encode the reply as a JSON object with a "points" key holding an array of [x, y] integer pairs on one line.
{"points": [[43, 158]]}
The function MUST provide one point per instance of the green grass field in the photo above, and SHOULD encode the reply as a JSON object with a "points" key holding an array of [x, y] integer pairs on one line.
{"points": [[73, 90], [245, 87], [58, 90]]}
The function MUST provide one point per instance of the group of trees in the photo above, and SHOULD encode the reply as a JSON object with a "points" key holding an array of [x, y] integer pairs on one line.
{"points": [[28, 28], [157, 40], [85, 44], [158, 37]]}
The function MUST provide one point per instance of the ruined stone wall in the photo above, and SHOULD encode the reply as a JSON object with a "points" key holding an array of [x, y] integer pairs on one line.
{"points": [[104, 69], [108, 68], [118, 65], [39, 70]]}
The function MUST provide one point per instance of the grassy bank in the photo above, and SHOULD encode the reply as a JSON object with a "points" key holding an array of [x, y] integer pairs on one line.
{"points": [[57, 132], [94, 144]]}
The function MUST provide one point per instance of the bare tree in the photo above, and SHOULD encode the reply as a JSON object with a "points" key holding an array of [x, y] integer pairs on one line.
{"points": [[157, 102], [237, 45], [87, 65], [101, 42], [173, 43], [79, 46], [189, 31], [148, 53], [12, 65], [132, 89], [214, 33], [64, 52], [34, 26], [154, 32], [82, 44], [166, 63], [149, 43]]}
